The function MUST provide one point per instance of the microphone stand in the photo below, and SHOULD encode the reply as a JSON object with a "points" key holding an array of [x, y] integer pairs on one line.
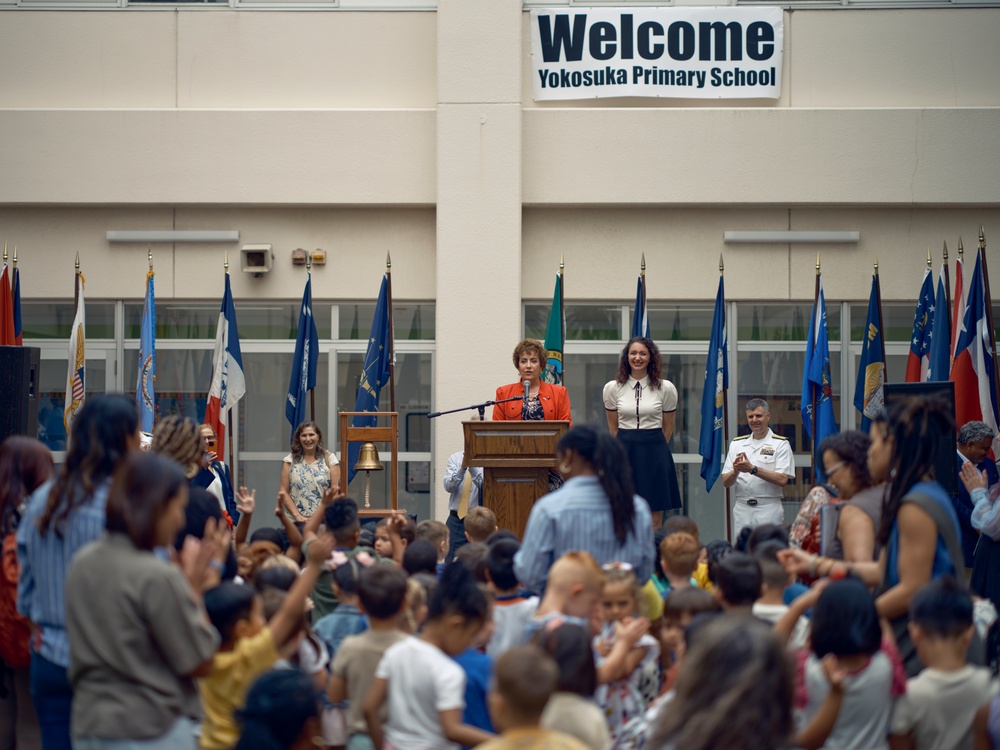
{"points": [[481, 407]]}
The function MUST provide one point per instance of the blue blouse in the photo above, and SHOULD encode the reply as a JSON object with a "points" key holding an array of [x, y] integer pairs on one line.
{"points": [[943, 564]]}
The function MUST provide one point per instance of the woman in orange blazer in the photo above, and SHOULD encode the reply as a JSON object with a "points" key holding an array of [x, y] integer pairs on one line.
{"points": [[545, 401]]}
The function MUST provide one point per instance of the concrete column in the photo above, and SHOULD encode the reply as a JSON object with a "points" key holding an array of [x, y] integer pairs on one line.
{"points": [[478, 211]]}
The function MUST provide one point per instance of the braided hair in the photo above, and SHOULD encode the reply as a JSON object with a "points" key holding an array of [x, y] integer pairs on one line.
{"points": [[913, 424], [607, 458], [180, 438], [653, 371], [99, 442]]}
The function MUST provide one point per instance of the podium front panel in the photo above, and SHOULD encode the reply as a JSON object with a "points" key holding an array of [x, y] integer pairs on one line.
{"points": [[511, 492]]}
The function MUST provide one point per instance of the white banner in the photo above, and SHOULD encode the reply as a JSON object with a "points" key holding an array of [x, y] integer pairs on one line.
{"points": [[689, 52]]}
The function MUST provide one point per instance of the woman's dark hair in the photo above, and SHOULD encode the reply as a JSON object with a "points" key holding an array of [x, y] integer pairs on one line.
{"points": [[180, 438], [25, 465], [278, 707], [227, 604], [458, 594], [730, 663], [607, 458], [297, 450], [570, 648], [140, 492], [655, 368], [851, 447], [913, 423], [845, 621], [99, 441]]}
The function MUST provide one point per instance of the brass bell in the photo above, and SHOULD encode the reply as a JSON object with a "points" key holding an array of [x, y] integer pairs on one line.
{"points": [[368, 459]]}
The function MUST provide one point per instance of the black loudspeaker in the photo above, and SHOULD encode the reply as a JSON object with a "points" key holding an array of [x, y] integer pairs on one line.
{"points": [[19, 390], [946, 446]]}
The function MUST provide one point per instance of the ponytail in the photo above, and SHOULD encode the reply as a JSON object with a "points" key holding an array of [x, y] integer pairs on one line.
{"points": [[607, 458]]}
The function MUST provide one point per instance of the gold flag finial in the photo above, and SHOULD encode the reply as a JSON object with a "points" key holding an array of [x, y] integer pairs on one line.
{"points": [[961, 250], [642, 265], [875, 264], [817, 264], [982, 238], [149, 255], [78, 261], [15, 256], [5, 252], [225, 262], [309, 262], [928, 257], [562, 263], [388, 262], [945, 251], [722, 266]]}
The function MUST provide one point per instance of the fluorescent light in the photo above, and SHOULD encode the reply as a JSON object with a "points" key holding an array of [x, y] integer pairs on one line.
{"points": [[786, 237], [174, 235]]}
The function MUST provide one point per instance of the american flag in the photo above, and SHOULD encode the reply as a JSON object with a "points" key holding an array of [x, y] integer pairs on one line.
{"points": [[918, 360]]}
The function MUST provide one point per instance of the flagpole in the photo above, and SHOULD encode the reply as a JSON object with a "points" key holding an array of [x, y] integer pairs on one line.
{"points": [[76, 281], [881, 328], [229, 420], [562, 313], [392, 334], [989, 311], [312, 391], [947, 282], [812, 391], [725, 427], [642, 275]]}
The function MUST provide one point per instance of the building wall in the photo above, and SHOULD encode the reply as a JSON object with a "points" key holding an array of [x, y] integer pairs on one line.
{"points": [[415, 133]]}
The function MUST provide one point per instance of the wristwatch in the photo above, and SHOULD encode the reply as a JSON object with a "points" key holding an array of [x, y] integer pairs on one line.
{"points": [[754, 472]]}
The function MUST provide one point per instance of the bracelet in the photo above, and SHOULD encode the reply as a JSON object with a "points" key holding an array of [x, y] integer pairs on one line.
{"points": [[216, 566], [812, 566]]}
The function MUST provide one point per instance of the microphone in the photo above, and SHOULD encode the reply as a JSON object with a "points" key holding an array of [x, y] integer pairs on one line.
{"points": [[524, 404]]}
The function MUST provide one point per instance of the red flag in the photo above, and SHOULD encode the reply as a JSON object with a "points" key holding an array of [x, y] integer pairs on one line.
{"points": [[972, 373], [7, 337], [958, 316]]}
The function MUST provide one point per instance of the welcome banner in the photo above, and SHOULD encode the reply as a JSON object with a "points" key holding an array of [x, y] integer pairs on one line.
{"points": [[691, 53]]}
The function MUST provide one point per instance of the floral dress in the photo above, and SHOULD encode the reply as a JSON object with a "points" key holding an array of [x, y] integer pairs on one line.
{"points": [[307, 482], [623, 700]]}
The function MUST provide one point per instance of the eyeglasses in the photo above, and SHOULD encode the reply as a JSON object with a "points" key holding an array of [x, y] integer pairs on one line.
{"points": [[834, 469], [616, 565]]}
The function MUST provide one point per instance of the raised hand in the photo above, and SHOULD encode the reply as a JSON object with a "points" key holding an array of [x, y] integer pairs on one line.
{"points": [[246, 501], [972, 478]]}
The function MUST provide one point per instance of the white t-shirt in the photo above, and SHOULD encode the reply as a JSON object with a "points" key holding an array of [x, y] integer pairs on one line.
{"points": [[771, 452], [646, 413], [773, 612], [423, 681], [511, 620], [939, 707]]}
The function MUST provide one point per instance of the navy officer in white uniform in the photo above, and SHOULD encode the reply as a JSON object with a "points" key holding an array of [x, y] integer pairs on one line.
{"points": [[759, 465]]}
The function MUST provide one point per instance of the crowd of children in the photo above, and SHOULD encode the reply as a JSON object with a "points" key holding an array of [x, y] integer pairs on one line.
{"points": [[720, 648]]}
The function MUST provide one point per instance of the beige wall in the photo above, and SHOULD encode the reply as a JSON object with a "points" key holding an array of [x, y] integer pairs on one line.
{"points": [[416, 133]]}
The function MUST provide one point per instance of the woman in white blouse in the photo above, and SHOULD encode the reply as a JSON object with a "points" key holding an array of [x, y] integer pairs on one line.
{"points": [[307, 472], [641, 407]]}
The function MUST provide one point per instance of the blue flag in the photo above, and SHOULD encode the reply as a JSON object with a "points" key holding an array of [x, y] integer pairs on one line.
{"points": [[710, 443], [817, 387], [868, 391], [145, 384], [375, 373], [939, 366], [16, 297], [303, 377], [918, 360], [640, 318]]}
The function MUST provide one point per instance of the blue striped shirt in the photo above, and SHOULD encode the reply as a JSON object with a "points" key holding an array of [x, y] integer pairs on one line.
{"points": [[577, 516], [45, 561]]}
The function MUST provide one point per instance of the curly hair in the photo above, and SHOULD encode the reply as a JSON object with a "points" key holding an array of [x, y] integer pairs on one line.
{"points": [[655, 369], [180, 438], [851, 447], [297, 452], [527, 346], [912, 423], [735, 660]]}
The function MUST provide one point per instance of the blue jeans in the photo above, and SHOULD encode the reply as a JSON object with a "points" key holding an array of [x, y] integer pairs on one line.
{"points": [[53, 697], [180, 736]]}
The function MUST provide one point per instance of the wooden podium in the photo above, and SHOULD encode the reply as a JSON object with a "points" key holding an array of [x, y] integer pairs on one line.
{"points": [[515, 457]]}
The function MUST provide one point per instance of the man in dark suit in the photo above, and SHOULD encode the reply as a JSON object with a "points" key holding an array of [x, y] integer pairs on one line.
{"points": [[974, 442]]}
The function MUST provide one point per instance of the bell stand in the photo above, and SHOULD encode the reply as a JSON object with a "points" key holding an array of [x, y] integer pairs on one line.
{"points": [[350, 434]]}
